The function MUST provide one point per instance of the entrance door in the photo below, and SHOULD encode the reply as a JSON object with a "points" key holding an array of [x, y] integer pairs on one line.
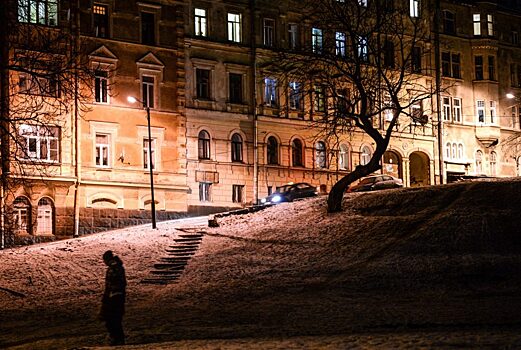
{"points": [[419, 169], [45, 217]]}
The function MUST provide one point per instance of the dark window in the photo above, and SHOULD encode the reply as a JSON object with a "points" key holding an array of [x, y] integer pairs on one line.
{"points": [[478, 67], [100, 20], [416, 59], [296, 152], [101, 87], [269, 32], [204, 145], [236, 148], [148, 26], [456, 72], [450, 65], [449, 26], [204, 191], [272, 150], [320, 155], [203, 83], [148, 91], [319, 104], [295, 96], [237, 193], [491, 68], [389, 54], [235, 87]]}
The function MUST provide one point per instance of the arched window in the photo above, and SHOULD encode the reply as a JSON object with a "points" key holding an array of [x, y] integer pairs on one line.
{"points": [[343, 158], [460, 151], [493, 163], [320, 154], [45, 217], [236, 148], [204, 144], [479, 162], [272, 152], [454, 151], [365, 155], [296, 153], [447, 150], [21, 215]]}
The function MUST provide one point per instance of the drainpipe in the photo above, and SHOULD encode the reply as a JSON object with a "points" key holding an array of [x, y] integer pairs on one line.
{"points": [[437, 63], [75, 26], [253, 60]]}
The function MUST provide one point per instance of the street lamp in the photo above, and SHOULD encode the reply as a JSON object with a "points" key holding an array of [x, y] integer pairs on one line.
{"points": [[132, 99], [510, 95]]}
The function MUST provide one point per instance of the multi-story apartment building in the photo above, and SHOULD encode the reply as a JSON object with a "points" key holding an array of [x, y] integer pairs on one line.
{"points": [[226, 131]]}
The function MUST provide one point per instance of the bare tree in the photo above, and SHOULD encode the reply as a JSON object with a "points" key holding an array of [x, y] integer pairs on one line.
{"points": [[369, 59], [46, 81]]}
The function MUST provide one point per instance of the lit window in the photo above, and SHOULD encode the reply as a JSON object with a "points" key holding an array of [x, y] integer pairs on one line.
{"points": [[295, 96], [490, 25], [200, 22], [340, 44], [100, 20], [234, 27], [102, 150], [204, 145], [343, 158], [316, 40], [146, 156], [319, 103], [414, 8], [38, 11], [363, 53], [476, 20], [270, 92], [39, 143]]}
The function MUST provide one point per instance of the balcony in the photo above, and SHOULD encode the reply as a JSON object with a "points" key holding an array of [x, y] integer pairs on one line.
{"points": [[487, 134]]}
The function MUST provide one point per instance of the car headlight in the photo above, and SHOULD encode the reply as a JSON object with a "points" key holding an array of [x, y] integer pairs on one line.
{"points": [[263, 200], [276, 199]]}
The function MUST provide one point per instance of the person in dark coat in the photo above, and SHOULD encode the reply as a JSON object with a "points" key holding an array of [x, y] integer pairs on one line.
{"points": [[113, 302]]}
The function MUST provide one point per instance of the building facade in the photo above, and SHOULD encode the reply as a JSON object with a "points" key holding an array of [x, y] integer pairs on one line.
{"points": [[226, 131]]}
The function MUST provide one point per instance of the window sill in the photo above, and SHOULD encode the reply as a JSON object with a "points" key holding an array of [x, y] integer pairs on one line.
{"points": [[104, 169], [39, 161]]}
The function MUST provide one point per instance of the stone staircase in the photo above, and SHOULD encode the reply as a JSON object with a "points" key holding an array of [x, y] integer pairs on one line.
{"points": [[170, 267]]}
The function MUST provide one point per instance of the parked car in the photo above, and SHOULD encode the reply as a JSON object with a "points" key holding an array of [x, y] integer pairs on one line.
{"points": [[376, 182], [290, 192]]}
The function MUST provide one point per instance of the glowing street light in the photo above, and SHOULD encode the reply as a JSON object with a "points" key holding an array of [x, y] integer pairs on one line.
{"points": [[510, 95], [132, 99]]}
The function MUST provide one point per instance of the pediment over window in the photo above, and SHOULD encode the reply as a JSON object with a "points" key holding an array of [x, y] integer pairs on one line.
{"points": [[103, 54], [150, 61]]}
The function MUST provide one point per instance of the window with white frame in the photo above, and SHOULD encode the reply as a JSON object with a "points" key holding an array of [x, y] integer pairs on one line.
{"points": [[21, 215], [454, 150], [319, 102], [448, 153], [146, 155], [292, 36], [362, 49], [44, 223], [205, 191], [340, 44], [446, 108], [480, 110], [39, 143], [490, 25], [492, 112], [365, 155], [414, 8], [234, 27], [493, 163], [344, 157], [295, 96], [479, 162], [103, 150], [203, 142], [460, 151], [270, 92], [38, 11], [148, 87], [269, 32], [200, 22], [320, 155], [317, 40], [457, 109], [237, 193], [476, 20], [101, 89]]}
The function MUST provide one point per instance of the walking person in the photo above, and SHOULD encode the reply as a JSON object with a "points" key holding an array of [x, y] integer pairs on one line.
{"points": [[113, 302]]}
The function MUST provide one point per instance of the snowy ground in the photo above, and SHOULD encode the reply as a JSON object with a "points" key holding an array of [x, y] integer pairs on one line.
{"points": [[411, 268]]}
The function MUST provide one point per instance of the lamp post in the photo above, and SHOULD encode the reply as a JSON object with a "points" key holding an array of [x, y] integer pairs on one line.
{"points": [[132, 99]]}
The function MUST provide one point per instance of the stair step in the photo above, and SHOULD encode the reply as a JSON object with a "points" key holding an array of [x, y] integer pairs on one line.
{"points": [[188, 240], [172, 263], [169, 266], [166, 272], [176, 260], [196, 235]]}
